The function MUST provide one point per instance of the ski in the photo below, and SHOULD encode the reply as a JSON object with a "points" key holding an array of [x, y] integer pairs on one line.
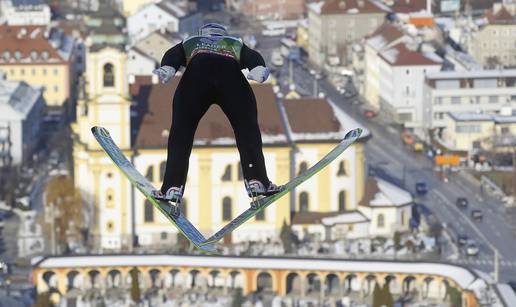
{"points": [[141, 183], [349, 139]]}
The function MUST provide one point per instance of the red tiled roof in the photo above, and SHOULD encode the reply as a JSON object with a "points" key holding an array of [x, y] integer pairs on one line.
{"points": [[502, 16], [408, 6], [388, 31], [26, 39], [311, 115], [400, 55], [214, 125], [343, 7]]}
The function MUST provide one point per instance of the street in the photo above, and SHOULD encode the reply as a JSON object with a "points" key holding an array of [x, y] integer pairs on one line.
{"points": [[383, 153]]}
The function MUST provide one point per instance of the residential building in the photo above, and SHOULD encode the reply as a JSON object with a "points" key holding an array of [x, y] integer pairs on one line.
{"points": [[471, 132], [494, 45], [131, 7], [478, 91], [25, 13], [163, 15], [274, 9], [402, 71], [384, 37], [21, 112], [333, 25], [146, 54], [41, 57], [105, 26]]}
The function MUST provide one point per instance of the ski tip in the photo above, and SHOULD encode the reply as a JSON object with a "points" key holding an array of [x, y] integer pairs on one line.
{"points": [[97, 130], [355, 133]]}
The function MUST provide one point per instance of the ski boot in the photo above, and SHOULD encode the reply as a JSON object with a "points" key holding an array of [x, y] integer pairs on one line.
{"points": [[174, 195], [257, 190]]}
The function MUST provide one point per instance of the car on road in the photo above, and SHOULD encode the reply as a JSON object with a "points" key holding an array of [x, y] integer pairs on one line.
{"points": [[462, 240], [477, 215], [276, 58], [472, 249], [421, 188], [462, 202], [368, 113]]}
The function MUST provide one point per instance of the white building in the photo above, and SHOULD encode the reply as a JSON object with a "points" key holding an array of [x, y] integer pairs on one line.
{"points": [[479, 91], [163, 15], [401, 78], [23, 12], [384, 37], [21, 113], [145, 55]]}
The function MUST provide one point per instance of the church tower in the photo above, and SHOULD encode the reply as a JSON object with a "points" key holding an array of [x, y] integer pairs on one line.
{"points": [[103, 101]]}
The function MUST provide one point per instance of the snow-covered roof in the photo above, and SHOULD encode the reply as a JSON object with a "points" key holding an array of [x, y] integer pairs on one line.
{"points": [[461, 275], [347, 122], [316, 6], [472, 74], [469, 116], [390, 195], [18, 96], [345, 218]]}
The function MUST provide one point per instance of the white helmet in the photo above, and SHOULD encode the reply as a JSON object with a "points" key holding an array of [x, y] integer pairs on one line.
{"points": [[213, 29]]}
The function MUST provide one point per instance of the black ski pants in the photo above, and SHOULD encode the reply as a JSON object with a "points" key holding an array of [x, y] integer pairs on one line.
{"points": [[210, 79]]}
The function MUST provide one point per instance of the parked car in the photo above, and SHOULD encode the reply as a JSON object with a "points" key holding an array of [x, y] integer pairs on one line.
{"points": [[462, 202], [421, 188], [462, 240], [368, 113], [477, 215], [472, 249]]}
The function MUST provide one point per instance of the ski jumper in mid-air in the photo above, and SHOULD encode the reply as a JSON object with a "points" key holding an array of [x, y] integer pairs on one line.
{"points": [[213, 62]]}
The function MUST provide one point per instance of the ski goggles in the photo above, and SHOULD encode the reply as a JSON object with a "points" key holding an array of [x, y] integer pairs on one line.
{"points": [[213, 29]]}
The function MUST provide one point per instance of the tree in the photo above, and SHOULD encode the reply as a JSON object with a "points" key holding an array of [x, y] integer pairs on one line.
{"points": [[65, 202], [397, 240], [436, 230], [454, 296], [286, 237], [387, 299], [238, 298], [43, 300], [377, 296], [135, 286]]}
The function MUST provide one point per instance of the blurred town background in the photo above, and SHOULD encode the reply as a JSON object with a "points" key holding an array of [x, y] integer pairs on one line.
{"points": [[419, 212]]}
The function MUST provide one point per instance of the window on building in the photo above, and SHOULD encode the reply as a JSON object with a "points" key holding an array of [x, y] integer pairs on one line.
{"points": [[150, 173], [109, 77], [404, 117], [110, 226], [34, 55], [455, 100], [44, 55], [226, 209], [407, 72], [148, 212], [493, 99], [44, 71], [342, 169], [162, 169], [467, 129], [403, 218], [33, 71], [164, 235], [303, 166], [342, 201], [505, 130], [380, 220], [22, 72], [6, 55], [17, 54], [227, 173], [56, 88], [56, 72], [303, 202]]}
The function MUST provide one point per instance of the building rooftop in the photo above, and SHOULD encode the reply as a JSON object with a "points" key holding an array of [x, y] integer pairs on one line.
{"points": [[299, 120], [470, 117], [331, 7], [350, 217], [18, 96], [400, 55], [34, 44], [384, 35], [408, 6], [381, 193], [501, 16], [472, 74]]}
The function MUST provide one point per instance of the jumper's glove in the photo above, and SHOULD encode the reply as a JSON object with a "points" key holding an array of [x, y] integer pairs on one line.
{"points": [[164, 73], [258, 74]]}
